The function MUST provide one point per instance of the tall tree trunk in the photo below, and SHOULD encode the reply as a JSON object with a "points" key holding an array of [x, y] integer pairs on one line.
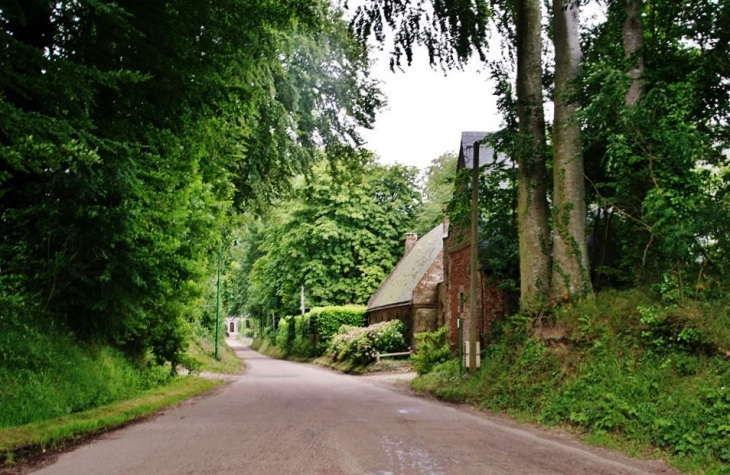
{"points": [[532, 207], [571, 273], [632, 34]]}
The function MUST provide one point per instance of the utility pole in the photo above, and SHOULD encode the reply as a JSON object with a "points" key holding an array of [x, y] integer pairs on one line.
{"points": [[474, 261]]}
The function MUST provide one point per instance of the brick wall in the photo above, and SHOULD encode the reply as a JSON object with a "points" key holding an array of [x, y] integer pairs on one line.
{"points": [[457, 280]]}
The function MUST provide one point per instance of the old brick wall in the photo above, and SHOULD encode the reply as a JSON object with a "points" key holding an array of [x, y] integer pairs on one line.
{"points": [[490, 301], [457, 293]]}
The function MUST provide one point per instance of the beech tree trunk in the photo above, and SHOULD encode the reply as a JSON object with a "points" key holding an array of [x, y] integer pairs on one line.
{"points": [[532, 208], [571, 272], [632, 34]]}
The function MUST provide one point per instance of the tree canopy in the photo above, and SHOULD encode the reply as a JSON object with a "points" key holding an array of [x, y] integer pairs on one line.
{"points": [[641, 98], [129, 131], [339, 240]]}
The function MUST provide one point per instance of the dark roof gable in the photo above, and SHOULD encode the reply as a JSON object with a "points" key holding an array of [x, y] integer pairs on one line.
{"points": [[466, 150]]}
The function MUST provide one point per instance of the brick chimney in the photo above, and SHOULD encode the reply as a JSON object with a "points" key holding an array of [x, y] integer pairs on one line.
{"points": [[411, 239]]}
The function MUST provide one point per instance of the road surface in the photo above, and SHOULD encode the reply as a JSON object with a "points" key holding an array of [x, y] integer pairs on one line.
{"points": [[280, 417]]}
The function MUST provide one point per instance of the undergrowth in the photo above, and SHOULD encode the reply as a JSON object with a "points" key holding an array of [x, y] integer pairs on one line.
{"points": [[620, 367], [48, 374]]}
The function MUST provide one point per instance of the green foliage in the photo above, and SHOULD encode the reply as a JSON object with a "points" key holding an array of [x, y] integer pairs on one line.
{"points": [[200, 356], [655, 167], [45, 374], [432, 348], [450, 30], [446, 380], [499, 252], [673, 329], [622, 366], [128, 133], [328, 320], [437, 189], [338, 239], [306, 336], [359, 346], [68, 429]]}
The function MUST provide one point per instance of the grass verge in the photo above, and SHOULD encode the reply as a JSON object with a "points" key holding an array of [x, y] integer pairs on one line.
{"points": [[202, 350], [15, 442]]}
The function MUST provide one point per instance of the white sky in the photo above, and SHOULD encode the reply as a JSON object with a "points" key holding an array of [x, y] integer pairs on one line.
{"points": [[427, 111]]}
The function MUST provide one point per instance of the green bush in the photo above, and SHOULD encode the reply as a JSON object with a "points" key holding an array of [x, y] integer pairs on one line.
{"points": [[432, 348], [281, 338], [294, 337], [623, 366], [360, 345], [46, 373], [303, 344], [309, 335], [328, 320]]}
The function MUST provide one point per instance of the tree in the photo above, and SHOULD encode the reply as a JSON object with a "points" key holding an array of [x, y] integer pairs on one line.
{"points": [[655, 142], [437, 191], [532, 207], [451, 32], [128, 130], [654, 108], [571, 273], [632, 35], [337, 239]]}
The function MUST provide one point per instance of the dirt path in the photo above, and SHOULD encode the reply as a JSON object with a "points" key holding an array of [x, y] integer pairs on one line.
{"points": [[280, 417]]}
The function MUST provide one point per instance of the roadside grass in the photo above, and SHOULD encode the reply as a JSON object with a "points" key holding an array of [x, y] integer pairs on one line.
{"points": [[55, 389], [645, 377], [266, 347], [344, 366], [50, 374], [37, 437], [384, 366], [201, 351]]}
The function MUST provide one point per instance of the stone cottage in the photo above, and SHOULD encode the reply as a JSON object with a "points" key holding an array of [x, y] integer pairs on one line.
{"points": [[457, 267], [411, 292]]}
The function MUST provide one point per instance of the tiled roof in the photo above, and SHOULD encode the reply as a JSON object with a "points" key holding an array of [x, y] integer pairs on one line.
{"points": [[397, 289]]}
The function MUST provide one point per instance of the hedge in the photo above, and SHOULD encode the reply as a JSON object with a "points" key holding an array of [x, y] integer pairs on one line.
{"points": [[309, 335]]}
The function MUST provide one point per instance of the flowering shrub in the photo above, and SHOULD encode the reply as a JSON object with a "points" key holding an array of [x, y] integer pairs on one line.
{"points": [[360, 345]]}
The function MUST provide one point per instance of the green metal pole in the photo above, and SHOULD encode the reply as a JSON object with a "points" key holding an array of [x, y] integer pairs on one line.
{"points": [[218, 301]]}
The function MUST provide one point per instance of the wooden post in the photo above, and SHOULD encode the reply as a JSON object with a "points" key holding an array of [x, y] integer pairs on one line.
{"points": [[474, 261]]}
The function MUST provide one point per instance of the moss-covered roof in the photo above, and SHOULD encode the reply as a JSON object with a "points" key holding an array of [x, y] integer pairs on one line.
{"points": [[397, 289]]}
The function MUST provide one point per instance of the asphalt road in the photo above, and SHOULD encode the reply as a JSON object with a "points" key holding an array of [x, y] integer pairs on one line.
{"points": [[281, 417]]}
